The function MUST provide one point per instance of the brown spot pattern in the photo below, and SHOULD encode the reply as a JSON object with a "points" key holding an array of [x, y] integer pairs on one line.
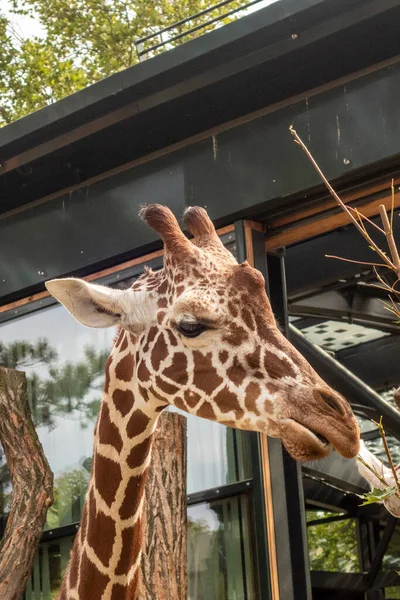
{"points": [[236, 372], [253, 358], [236, 336], [124, 369], [150, 337], [133, 495], [143, 372], [206, 411], [137, 423], [163, 287], [74, 566], [248, 319], [159, 352], [253, 392], [138, 454], [179, 403], [99, 522], [108, 477], [226, 401], [178, 369], [108, 432], [160, 316], [223, 356], [124, 344], [192, 398], [205, 376], [131, 542], [172, 338], [233, 309], [277, 367], [107, 378], [123, 400], [166, 387], [92, 583]]}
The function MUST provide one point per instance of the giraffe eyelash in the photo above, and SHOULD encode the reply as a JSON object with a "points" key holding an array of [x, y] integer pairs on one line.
{"points": [[190, 329]]}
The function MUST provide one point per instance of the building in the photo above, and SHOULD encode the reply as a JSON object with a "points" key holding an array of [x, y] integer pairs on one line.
{"points": [[208, 123]]}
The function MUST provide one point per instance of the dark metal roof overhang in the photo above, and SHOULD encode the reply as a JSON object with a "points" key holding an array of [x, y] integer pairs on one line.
{"points": [[271, 55]]}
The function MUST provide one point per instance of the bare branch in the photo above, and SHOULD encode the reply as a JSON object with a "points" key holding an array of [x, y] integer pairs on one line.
{"points": [[340, 202], [390, 239]]}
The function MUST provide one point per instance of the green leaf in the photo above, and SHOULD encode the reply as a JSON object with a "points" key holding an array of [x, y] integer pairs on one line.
{"points": [[377, 495]]}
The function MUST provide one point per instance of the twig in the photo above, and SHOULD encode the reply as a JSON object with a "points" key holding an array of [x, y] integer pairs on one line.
{"points": [[339, 201], [390, 239], [358, 262], [388, 454], [374, 471], [362, 216]]}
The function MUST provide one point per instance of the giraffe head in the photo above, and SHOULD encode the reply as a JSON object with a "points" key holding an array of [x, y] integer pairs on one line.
{"points": [[206, 341]]}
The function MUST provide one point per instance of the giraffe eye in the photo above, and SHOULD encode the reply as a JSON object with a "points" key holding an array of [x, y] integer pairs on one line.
{"points": [[191, 329]]}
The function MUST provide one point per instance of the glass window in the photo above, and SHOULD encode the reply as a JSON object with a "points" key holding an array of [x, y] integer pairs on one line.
{"points": [[220, 550], [332, 544], [50, 561], [64, 364]]}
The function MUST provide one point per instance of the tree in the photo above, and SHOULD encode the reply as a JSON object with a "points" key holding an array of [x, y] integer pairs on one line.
{"points": [[84, 41], [65, 387]]}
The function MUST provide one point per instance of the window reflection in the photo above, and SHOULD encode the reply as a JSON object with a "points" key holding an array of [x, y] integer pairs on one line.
{"points": [[332, 545], [220, 547], [64, 363]]}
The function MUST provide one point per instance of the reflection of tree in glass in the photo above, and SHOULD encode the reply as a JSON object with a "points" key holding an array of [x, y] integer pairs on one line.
{"points": [[65, 387], [69, 494], [54, 390], [332, 546]]}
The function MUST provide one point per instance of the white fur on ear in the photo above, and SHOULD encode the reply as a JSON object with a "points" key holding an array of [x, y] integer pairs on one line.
{"points": [[99, 306]]}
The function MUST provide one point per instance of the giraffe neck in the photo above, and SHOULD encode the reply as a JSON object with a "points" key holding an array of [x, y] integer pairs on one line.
{"points": [[105, 559]]}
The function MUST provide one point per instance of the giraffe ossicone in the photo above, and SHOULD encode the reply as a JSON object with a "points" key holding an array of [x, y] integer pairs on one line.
{"points": [[200, 335]]}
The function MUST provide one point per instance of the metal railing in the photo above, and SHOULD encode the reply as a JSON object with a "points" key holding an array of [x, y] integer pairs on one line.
{"points": [[143, 51]]}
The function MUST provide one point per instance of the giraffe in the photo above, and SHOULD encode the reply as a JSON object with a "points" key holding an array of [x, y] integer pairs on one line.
{"points": [[199, 335]]}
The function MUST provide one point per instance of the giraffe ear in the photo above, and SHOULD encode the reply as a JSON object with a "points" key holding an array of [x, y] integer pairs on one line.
{"points": [[99, 306]]}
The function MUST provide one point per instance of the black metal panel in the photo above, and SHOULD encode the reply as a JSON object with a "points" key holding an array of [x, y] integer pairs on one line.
{"points": [[345, 242], [376, 363], [85, 228]]}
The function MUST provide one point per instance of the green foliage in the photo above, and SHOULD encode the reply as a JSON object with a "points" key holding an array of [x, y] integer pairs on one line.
{"points": [[84, 41], [63, 388], [378, 495], [332, 546], [69, 493]]}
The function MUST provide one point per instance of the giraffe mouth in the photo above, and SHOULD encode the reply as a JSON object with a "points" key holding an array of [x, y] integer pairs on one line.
{"points": [[297, 436]]}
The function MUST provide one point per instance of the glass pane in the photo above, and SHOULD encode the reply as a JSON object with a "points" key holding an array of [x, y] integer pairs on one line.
{"points": [[64, 363], [220, 550], [217, 455], [332, 545], [50, 561]]}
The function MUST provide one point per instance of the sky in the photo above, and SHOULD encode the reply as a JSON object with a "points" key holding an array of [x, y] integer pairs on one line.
{"points": [[24, 25]]}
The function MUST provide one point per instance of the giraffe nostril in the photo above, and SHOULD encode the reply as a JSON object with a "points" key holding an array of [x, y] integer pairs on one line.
{"points": [[336, 403]]}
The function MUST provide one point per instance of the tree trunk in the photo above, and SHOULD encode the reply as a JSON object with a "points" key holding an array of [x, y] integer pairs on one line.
{"points": [[164, 516], [32, 485]]}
